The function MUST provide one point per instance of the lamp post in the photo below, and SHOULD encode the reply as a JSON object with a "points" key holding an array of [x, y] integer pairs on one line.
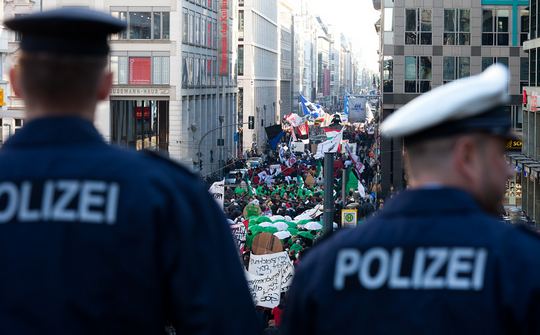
{"points": [[221, 144]]}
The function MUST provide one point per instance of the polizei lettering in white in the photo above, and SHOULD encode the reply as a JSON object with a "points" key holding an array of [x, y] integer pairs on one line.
{"points": [[59, 200], [429, 268]]}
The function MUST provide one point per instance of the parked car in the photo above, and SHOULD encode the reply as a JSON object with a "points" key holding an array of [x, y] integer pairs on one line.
{"points": [[230, 179], [254, 162]]}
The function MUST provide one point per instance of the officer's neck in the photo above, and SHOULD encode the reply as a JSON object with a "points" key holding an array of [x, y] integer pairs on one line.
{"points": [[38, 112]]}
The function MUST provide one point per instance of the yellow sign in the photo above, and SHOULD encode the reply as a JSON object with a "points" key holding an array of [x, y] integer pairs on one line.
{"points": [[1, 97], [349, 217], [514, 145]]}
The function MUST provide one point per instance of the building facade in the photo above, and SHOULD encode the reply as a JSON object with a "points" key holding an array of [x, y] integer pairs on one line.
{"points": [[286, 64], [527, 163], [174, 77], [259, 71], [424, 46]]}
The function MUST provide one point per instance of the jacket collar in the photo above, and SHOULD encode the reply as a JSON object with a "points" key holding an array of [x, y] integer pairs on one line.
{"points": [[55, 131], [431, 200]]}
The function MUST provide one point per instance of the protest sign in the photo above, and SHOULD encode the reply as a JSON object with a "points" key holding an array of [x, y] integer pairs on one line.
{"points": [[217, 190], [265, 290], [266, 243], [239, 234], [267, 265]]}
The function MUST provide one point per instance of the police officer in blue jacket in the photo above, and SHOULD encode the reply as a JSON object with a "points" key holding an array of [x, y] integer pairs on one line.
{"points": [[434, 260], [95, 239]]}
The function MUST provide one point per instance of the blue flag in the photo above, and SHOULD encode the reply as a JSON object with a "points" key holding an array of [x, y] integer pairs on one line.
{"points": [[309, 108], [346, 105]]}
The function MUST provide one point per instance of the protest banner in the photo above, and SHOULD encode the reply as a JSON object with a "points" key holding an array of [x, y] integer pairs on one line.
{"points": [[267, 265], [217, 190], [239, 234], [265, 290]]}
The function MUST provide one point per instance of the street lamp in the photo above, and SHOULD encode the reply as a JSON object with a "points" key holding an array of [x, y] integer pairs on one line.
{"points": [[221, 144]]}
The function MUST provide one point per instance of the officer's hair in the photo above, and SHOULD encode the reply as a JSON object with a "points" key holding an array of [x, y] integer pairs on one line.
{"points": [[55, 80], [430, 154]]}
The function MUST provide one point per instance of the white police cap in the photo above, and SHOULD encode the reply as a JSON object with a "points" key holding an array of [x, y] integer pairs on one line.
{"points": [[465, 105]]}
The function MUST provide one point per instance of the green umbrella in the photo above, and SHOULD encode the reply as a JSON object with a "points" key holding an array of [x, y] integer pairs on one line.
{"points": [[264, 219], [303, 222], [256, 229], [293, 231], [297, 247], [306, 234], [291, 224], [270, 230]]}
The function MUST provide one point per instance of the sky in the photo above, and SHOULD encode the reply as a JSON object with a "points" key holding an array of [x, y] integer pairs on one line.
{"points": [[356, 19]]}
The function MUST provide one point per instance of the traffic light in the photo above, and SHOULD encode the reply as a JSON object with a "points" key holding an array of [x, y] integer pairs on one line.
{"points": [[251, 122]]}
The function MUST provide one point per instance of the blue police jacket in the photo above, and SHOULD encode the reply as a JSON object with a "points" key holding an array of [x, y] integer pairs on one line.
{"points": [[100, 240], [431, 262]]}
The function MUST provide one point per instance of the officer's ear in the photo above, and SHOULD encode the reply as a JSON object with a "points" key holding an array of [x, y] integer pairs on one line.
{"points": [[105, 86], [14, 78], [466, 159]]}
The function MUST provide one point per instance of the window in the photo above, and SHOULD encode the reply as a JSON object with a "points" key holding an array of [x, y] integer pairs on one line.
{"points": [[144, 25], [241, 21], [457, 27], [495, 27], [389, 19], [185, 26], [455, 68], [524, 29], [532, 65], [240, 60], [488, 61], [140, 70], [18, 34], [417, 74], [418, 26], [388, 74], [160, 70], [533, 19], [523, 73]]}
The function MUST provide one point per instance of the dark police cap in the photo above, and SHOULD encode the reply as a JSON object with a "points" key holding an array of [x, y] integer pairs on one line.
{"points": [[472, 104], [70, 31]]}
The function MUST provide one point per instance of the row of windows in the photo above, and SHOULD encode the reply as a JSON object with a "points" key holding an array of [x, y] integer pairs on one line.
{"points": [[418, 71], [457, 29], [199, 29], [198, 70], [144, 25], [209, 4], [140, 70]]}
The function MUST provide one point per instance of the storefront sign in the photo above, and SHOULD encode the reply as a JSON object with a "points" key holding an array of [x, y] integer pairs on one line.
{"points": [[224, 43], [514, 145], [141, 91]]}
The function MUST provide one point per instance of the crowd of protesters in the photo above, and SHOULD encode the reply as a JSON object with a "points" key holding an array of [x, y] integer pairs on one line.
{"points": [[291, 183]]}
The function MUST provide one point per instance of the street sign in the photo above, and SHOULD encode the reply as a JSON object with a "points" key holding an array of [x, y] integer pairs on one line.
{"points": [[349, 217]]}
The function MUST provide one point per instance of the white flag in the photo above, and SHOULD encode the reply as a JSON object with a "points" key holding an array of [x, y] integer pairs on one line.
{"points": [[329, 146]]}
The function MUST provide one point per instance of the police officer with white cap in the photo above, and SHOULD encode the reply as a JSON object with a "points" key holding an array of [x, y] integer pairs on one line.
{"points": [[95, 239], [434, 260]]}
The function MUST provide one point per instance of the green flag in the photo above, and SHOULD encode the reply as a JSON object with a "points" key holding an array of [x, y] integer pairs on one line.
{"points": [[352, 182], [318, 172]]}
